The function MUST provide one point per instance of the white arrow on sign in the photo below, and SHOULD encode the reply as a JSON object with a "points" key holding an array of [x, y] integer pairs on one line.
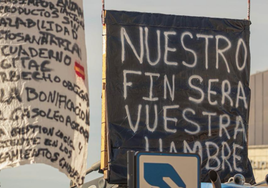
{"points": [[170, 182]]}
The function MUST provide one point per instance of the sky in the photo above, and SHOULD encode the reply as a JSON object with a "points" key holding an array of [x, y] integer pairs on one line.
{"points": [[43, 176]]}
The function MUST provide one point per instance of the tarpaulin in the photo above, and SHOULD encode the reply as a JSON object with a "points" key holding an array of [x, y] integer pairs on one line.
{"points": [[178, 84]]}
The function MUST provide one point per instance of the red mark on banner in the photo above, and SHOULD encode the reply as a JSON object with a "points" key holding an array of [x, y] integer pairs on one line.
{"points": [[79, 70]]}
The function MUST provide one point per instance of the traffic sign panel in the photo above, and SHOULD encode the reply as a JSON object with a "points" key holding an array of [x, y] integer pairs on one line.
{"points": [[166, 170]]}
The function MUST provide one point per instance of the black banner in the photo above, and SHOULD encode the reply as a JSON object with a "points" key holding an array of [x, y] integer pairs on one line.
{"points": [[178, 84]]}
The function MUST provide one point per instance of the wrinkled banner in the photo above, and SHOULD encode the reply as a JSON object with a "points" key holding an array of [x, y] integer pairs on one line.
{"points": [[178, 84], [44, 103]]}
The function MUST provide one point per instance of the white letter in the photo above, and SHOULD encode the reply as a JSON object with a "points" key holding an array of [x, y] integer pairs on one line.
{"points": [[206, 51], [160, 145], [192, 122], [151, 87], [147, 47], [196, 88], [237, 157], [225, 94], [167, 49], [189, 50], [148, 117], [146, 143], [225, 158], [221, 51], [224, 125], [172, 148], [210, 92], [197, 146], [243, 97], [175, 120], [239, 121], [212, 157], [125, 35], [241, 41], [134, 128], [125, 72], [209, 120], [171, 91]]}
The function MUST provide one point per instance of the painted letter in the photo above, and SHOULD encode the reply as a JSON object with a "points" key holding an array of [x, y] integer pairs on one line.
{"points": [[189, 50], [224, 125], [167, 49], [160, 145], [190, 121], [175, 120], [241, 41], [171, 90], [243, 97], [210, 147], [196, 88], [150, 98], [210, 92], [226, 93], [206, 37], [147, 47], [134, 128], [146, 143], [226, 157], [148, 117], [236, 157], [172, 148], [239, 121], [221, 51], [125, 72], [197, 147], [209, 114], [124, 35]]}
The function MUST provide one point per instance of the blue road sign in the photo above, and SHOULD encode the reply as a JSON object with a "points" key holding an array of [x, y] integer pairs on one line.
{"points": [[167, 170], [155, 174]]}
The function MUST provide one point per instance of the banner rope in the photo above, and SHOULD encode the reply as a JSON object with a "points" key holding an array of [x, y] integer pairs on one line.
{"points": [[103, 12], [248, 9]]}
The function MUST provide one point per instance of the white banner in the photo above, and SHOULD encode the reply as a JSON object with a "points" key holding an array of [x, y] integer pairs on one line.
{"points": [[44, 103]]}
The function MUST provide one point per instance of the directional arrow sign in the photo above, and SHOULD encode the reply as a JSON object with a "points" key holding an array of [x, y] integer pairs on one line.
{"points": [[162, 175], [171, 183], [162, 170]]}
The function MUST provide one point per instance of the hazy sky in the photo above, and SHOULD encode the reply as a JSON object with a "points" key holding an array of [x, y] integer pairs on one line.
{"points": [[42, 176]]}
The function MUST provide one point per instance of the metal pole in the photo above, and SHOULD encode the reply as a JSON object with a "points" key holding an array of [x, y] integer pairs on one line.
{"points": [[248, 9]]}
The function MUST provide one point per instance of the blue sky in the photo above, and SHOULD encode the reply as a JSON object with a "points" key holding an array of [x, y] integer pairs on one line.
{"points": [[43, 176]]}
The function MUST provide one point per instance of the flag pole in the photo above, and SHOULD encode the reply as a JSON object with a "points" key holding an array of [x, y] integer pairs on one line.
{"points": [[248, 9], [104, 135]]}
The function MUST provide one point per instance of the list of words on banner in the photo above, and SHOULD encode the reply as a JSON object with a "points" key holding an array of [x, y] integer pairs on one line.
{"points": [[44, 103]]}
